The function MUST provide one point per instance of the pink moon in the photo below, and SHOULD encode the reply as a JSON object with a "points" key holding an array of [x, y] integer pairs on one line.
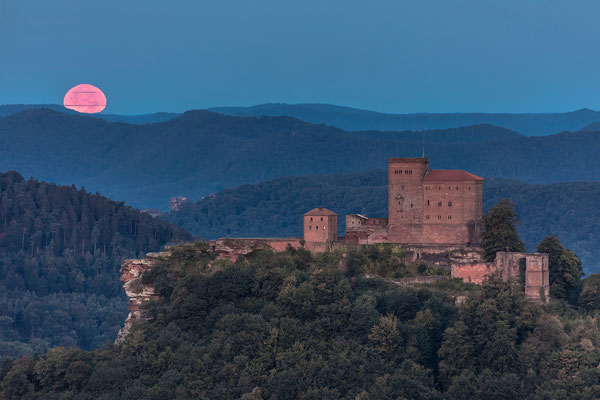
{"points": [[85, 98]]}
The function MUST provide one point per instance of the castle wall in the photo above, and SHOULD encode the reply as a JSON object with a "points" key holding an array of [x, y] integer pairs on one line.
{"points": [[473, 272], [451, 211]]}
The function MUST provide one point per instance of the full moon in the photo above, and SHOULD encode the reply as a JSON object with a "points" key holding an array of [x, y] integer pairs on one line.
{"points": [[85, 98]]}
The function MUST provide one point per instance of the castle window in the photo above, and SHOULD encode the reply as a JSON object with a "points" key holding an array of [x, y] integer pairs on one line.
{"points": [[439, 188], [410, 171], [439, 217], [457, 188], [406, 172], [323, 227], [439, 203], [469, 187], [449, 204], [316, 227], [449, 187], [427, 217], [427, 202], [321, 218], [411, 204], [310, 219], [449, 216]]}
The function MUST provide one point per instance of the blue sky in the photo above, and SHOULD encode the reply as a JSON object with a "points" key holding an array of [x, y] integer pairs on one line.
{"points": [[391, 56]]}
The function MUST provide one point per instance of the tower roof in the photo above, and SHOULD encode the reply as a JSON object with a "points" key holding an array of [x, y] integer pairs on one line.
{"points": [[320, 212], [435, 175]]}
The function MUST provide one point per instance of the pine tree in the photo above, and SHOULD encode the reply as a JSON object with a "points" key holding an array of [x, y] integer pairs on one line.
{"points": [[499, 230]]}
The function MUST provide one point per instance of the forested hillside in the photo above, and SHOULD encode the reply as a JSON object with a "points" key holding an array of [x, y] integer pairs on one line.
{"points": [[274, 208], [294, 325], [201, 152], [60, 254]]}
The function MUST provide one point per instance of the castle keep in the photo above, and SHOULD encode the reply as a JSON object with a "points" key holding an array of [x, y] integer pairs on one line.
{"points": [[438, 207]]}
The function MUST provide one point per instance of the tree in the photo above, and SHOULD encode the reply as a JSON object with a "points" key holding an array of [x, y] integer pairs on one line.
{"points": [[589, 298], [499, 230], [564, 268]]}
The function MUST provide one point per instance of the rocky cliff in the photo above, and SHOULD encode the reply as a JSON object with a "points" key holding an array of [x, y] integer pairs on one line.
{"points": [[138, 293]]}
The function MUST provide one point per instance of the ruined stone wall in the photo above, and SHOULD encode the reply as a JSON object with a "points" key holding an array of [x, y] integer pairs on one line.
{"points": [[507, 266], [473, 272]]}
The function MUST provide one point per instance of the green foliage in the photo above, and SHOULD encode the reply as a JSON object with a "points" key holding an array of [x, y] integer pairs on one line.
{"points": [[386, 260], [499, 230], [60, 254], [589, 298], [292, 325], [565, 269]]}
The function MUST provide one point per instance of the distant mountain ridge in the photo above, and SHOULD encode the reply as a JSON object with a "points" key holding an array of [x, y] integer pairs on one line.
{"points": [[353, 119], [201, 152]]}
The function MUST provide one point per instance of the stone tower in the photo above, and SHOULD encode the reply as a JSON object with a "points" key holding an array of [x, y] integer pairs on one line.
{"points": [[320, 228], [405, 191]]}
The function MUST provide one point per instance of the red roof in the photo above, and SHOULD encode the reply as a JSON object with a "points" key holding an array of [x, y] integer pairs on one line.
{"points": [[320, 211], [450, 175]]}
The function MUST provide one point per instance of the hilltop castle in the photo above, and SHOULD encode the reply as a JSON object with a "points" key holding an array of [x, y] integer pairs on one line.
{"points": [[433, 214], [425, 207]]}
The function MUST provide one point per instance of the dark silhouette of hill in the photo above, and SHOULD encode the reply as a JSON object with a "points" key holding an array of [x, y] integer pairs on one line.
{"points": [[530, 124], [60, 253], [201, 152], [595, 127], [274, 208], [9, 109]]}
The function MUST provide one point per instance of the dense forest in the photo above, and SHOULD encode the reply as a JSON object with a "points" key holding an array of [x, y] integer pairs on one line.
{"points": [[201, 152], [60, 254], [294, 325], [273, 208]]}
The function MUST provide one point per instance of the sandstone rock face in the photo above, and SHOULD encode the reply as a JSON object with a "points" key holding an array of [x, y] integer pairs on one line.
{"points": [[138, 293]]}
